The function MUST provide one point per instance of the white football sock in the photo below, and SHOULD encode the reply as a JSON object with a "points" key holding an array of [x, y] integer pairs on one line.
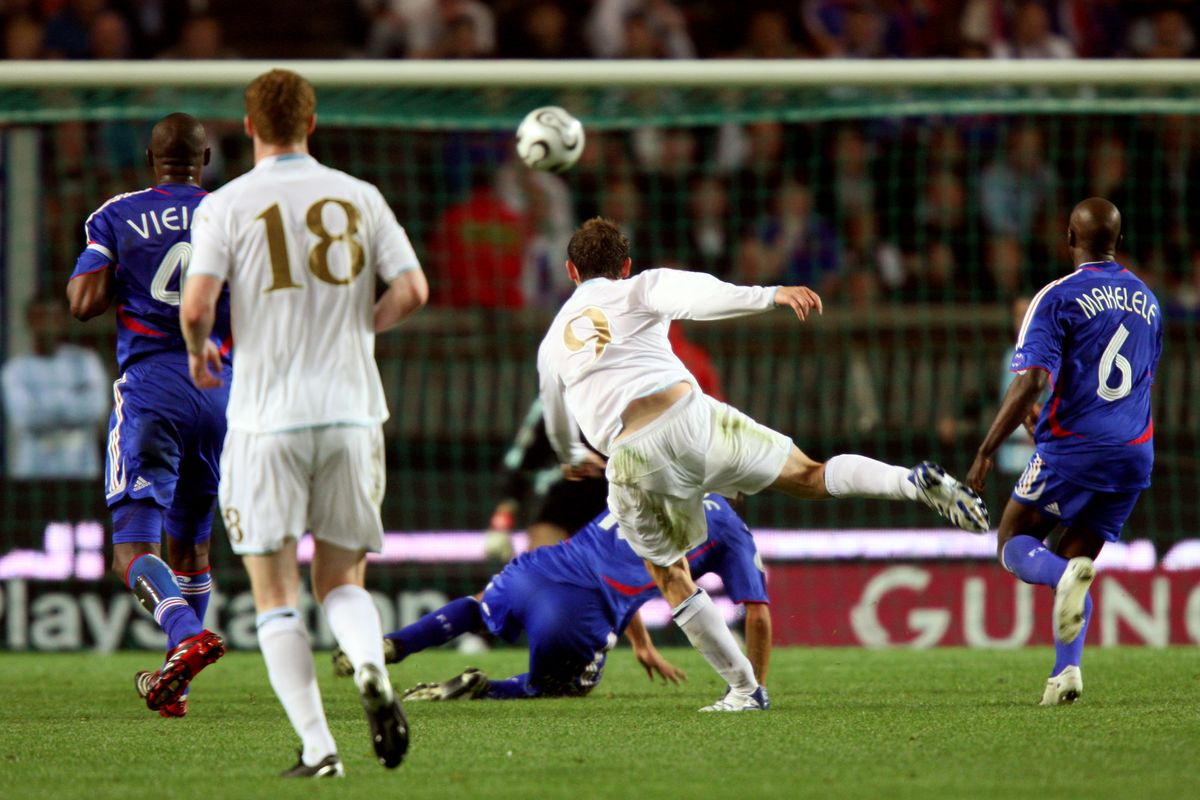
{"points": [[708, 633], [354, 621], [285, 646], [859, 476]]}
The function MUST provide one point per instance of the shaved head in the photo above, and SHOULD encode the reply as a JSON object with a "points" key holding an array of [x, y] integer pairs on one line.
{"points": [[178, 149], [178, 137], [1095, 228]]}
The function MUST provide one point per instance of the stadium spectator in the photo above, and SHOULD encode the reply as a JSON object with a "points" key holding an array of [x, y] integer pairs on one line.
{"points": [[542, 30], [544, 202], [478, 251], [707, 235], [852, 181], [1096, 28], [23, 36], [418, 28], [1166, 33], [769, 35], [638, 29], [155, 25], [202, 38], [460, 39], [1019, 189], [795, 245], [869, 262], [1032, 36], [55, 399], [846, 28], [109, 37], [68, 32]]}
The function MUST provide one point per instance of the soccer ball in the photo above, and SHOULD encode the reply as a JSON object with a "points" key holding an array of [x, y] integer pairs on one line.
{"points": [[550, 139]]}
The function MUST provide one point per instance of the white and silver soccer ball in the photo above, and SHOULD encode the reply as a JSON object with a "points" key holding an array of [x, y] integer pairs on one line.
{"points": [[550, 139]]}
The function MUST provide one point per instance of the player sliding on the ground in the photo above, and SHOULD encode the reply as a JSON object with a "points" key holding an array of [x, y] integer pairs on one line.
{"points": [[302, 246], [1095, 337], [573, 600], [606, 368], [165, 435]]}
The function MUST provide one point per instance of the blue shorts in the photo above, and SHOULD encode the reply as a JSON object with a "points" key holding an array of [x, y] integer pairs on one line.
{"points": [[568, 626], [164, 441], [1103, 513]]}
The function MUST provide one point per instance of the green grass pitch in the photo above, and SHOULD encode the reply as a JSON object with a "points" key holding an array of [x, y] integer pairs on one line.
{"points": [[846, 723]]}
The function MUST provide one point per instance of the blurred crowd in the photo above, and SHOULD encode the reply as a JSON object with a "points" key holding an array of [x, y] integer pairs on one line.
{"points": [[209, 29]]}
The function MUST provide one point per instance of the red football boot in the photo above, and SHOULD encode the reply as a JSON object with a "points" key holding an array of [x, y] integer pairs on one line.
{"points": [[167, 685], [144, 680]]}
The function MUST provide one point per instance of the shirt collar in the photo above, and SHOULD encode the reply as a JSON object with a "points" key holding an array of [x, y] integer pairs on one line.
{"points": [[1107, 266], [282, 158]]}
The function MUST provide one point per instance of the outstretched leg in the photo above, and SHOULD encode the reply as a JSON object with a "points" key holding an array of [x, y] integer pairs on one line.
{"points": [[852, 475]]}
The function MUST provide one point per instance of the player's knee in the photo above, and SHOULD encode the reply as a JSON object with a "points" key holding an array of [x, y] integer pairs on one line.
{"points": [[801, 476]]}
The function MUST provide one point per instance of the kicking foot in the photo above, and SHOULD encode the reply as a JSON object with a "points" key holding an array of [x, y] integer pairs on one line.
{"points": [[328, 767], [389, 726], [949, 497], [144, 680], [1064, 688], [471, 685], [169, 683], [1070, 597], [735, 701], [342, 667]]}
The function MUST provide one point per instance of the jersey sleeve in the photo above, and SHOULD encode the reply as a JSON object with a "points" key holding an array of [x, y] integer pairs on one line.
{"points": [[211, 245], [677, 294], [393, 252], [739, 565], [1039, 343], [101, 248], [561, 427]]}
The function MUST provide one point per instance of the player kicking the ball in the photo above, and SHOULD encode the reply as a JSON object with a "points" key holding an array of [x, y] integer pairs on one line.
{"points": [[164, 437], [301, 246], [1095, 337], [573, 600], [606, 368]]}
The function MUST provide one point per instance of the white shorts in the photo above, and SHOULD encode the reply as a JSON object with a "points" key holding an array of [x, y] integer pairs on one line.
{"points": [[658, 475], [328, 480]]}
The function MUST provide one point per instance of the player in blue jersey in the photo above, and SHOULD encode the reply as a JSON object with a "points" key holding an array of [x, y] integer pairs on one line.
{"points": [[1094, 337], [573, 600], [165, 435]]}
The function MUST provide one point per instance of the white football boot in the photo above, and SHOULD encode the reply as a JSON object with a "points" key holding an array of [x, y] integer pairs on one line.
{"points": [[1064, 688], [1070, 596], [950, 497], [735, 701]]}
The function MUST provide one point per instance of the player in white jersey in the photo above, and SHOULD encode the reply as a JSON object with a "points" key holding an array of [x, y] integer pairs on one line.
{"points": [[606, 369], [301, 246]]}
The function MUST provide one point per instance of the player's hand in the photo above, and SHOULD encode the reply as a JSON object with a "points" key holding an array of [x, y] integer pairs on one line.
{"points": [[590, 466], [1031, 419], [800, 299], [978, 472], [652, 661], [206, 367]]}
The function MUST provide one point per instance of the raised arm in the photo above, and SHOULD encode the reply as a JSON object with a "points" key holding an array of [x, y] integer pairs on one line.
{"points": [[696, 295]]}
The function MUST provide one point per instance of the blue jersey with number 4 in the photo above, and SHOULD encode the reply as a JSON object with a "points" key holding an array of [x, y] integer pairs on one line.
{"points": [[1098, 332], [146, 237]]}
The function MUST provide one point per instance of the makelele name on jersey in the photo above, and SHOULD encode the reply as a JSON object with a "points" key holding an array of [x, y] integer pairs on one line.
{"points": [[1117, 298], [172, 218]]}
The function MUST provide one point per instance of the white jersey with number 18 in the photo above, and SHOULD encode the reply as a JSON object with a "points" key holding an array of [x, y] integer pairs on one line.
{"points": [[301, 246]]}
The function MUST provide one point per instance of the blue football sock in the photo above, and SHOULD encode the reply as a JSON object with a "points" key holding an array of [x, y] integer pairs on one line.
{"points": [[196, 588], [1067, 655], [514, 688], [1031, 561], [438, 627], [154, 585]]}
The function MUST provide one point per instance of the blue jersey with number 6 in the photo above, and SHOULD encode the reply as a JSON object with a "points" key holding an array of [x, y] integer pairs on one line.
{"points": [[1098, 332], [146, 236]]}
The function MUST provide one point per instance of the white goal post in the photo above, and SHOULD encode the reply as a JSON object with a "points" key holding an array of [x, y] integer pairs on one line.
{"points": [[978, 73]]}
